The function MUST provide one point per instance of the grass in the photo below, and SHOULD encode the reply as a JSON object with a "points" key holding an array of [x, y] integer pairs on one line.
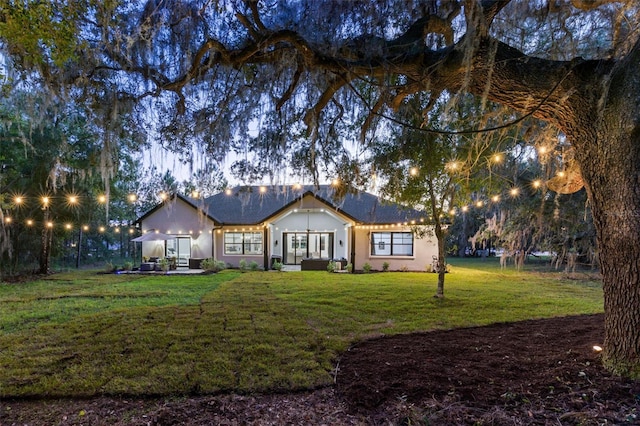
{"points": [[84, 334]]}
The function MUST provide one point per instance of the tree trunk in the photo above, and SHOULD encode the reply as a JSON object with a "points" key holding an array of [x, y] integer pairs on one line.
{"points": [[45, 248], [615, 195], [442, 269], [610, 161]]}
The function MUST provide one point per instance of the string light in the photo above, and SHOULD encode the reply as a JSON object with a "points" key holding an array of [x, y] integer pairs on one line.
{"points": [[413, 171], [537, 183], [453, 165]]}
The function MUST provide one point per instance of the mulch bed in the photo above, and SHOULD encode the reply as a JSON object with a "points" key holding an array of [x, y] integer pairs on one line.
{"points": [[539, 372]]}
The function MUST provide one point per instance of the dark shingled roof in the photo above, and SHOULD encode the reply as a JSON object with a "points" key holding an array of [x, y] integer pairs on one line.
{"points": [[247, 205]]}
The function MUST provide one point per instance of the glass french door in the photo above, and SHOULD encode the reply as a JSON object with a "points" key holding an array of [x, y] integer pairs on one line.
{"points": [[180, 248], [301, 245]]}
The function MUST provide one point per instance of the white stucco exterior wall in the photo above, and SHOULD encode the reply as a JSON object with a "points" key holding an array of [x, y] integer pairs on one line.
{"points": [[314, 216], [179, 219]]}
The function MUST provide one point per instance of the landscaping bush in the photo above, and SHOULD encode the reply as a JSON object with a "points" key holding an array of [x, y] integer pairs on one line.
{"points": [[366, 268], [213, 265], [331, 266], [243, 265]]}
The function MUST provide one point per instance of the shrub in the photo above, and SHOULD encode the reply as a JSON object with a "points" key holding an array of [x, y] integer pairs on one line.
{"points": [[385, 267], [366, 268], [254, 266], [212, 265], [277, 266], [331, 266], [164, 264], [349, 267], [109, 267], [243, 265], [127, 266]]}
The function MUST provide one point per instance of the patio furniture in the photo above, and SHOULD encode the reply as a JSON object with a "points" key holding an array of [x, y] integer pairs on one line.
{"points": [[195, 263], [314, 264]]}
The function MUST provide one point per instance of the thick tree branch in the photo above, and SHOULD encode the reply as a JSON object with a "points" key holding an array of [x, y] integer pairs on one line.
{"points": [[555, 89], [292, 87]]}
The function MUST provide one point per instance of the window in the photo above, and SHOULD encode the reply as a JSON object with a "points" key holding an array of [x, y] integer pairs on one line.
{"points": [[243, 243], [391, 244]]}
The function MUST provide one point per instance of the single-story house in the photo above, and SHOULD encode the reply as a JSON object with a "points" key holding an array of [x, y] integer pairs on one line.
{"points": [[289, 224]]}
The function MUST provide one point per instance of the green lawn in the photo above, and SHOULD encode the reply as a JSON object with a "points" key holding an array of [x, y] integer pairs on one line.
{"points": [[83, 334]]}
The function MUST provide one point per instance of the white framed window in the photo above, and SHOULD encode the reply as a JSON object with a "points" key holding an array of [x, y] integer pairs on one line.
{"points": [[391, 244], [243, 243]]}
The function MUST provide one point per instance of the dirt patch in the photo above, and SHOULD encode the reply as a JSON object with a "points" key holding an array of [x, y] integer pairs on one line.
{"points": [[535, 372], [542, 372]]}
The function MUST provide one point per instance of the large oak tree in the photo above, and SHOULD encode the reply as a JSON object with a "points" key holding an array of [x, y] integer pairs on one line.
{"points": [[206, 70]]}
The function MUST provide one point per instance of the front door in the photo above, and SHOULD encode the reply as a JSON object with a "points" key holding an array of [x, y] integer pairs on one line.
{"points": [[301, 245]]}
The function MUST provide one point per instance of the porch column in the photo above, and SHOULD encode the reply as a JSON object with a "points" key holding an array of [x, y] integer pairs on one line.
{"points": [[352, 247], [266, 247]]}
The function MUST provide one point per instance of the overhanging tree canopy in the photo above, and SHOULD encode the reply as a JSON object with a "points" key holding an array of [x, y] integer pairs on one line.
{"points": [[203, 71]]}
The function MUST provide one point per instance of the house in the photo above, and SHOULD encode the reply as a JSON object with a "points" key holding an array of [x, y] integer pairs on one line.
{"points": [[291, 224]]}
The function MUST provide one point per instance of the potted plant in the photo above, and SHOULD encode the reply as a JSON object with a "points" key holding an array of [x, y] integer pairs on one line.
{"points": [[164, 264]]}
